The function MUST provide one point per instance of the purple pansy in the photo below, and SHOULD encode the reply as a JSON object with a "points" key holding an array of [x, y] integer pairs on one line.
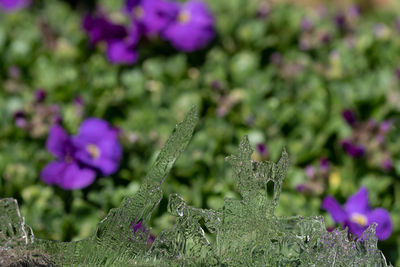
{"points": [[97, 146], [99, 28], [121, 43], [65, 171], [193, 28], [123, 50], [357, 215], [152, 16], [13, 5]]}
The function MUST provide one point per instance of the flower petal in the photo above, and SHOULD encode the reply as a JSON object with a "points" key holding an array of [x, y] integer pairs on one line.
{"points": [[155, 15], [53, 172], [358, 203], [382, 218], [119, 52], [333, 207], [57, 141], [197, 29], [76, 177], [107, 166], [355, 228], [93, 129], [13, 5]]}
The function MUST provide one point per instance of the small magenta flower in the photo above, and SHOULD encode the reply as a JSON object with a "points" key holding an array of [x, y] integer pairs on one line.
{"points": [[349, 116], [66, 172], [262, 149], [193, 28], [357, 215], [385, 127], [20, 119], [139, 230], [307, 24], [276, 58], [341, 21], [13, 5], [387, 164], [310, 171], [152, 16], [97, 146], [354, 150], [324, 165], [40, 95]]}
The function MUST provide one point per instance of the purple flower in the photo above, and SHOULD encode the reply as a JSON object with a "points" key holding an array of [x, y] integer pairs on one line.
{"points": [[20, 119], [139, 230], [326, 38], [397, 25], [65, 172], [276, 58], [121, 43], [193, 28], [387, 164], [357, 215], [353, 12], [307, 24], [385, 126], [349, 116], [324, 164], [263, 10], [310, 171], [152, 16], [216, 85], [123, 51], [301, 188], [78, 101], [352, 149], [397, 73], [40, 95], [262, 149], [97, 146], [14, 72], [371, 125], [341, 22], [13, 5], [99, 28]]}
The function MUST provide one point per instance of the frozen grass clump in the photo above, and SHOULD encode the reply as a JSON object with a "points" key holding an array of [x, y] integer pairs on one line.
{"points": [[247, 233]]}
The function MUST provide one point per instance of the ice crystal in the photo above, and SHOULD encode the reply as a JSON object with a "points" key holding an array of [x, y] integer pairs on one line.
{"points": [[246, 231]]}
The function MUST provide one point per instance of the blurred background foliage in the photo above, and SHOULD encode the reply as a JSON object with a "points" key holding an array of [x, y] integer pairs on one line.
{"points": [[279, 72]]}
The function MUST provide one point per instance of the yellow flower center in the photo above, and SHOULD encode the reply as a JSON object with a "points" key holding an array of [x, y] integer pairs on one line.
{"points": [[334, 179], [359, 219], [93, 151], [138, 12], [184, 17]]}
